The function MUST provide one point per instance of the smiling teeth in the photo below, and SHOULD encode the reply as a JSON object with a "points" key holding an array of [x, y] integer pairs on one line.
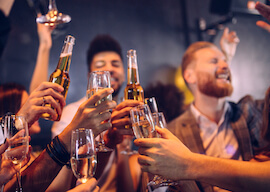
{"points": [[223, 76]]}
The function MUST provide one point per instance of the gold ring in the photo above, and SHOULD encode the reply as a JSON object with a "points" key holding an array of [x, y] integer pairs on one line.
{"points": [[44, 101]]}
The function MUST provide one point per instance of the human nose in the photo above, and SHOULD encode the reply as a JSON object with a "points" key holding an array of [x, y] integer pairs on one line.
{"points": [[223, 64]]}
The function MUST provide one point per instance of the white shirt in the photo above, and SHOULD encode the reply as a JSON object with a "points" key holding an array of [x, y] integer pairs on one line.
{"points": [[219, 139]]}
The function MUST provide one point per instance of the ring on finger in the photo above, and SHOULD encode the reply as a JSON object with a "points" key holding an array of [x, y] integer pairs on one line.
{"points": [[44, 101]]}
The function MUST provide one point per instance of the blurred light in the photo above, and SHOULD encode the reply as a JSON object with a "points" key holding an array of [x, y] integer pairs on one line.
{"points": [[251, 4]]}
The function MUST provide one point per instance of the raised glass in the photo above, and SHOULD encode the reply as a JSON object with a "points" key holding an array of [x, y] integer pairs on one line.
{"points": [[83, 156], [16, 131], [53, 17], [97, 81]]}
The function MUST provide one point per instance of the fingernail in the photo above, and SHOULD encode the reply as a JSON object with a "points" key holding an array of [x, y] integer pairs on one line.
{"points": [[111, 90]]}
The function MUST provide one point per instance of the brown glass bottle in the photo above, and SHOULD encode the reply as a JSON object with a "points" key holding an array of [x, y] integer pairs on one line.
{"points": [[60, 75], [133, 90]]}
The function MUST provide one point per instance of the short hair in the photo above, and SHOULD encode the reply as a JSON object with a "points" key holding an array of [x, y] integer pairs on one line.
{"points": [[102, 43], [191, 50], [10, 97]]}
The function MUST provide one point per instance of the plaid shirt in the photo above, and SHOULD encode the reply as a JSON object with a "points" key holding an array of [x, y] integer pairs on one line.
{"points": [[246, 121]]}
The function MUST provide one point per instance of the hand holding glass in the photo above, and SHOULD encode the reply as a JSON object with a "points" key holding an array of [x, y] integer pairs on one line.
{"points": [[16, 131], [83, 156], [99, 80]]}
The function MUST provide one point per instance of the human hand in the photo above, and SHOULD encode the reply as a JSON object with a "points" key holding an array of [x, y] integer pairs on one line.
{"points": [[228, 43], [8, 169], [34, 107], [89, 186], [90, 116], [120, 118], [264, 10], [45, 34], [155, 153]]}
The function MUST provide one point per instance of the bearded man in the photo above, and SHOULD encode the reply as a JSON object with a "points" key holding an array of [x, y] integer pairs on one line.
{"points": [[212, 125]]}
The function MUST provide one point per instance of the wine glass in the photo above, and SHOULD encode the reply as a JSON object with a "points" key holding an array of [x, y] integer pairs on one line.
{"points": [[53, 17], [159, 181], [83, 156], [142, 122], [16, 131], [97, 81], [151, 102], [159, 119]]}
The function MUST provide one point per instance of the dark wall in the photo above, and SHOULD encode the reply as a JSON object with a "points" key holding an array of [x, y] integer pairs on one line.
{"points": [[155, 28]]}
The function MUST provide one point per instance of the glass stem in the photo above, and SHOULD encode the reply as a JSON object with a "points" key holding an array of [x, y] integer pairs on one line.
{"points": [[52, 5], [19, 179]]}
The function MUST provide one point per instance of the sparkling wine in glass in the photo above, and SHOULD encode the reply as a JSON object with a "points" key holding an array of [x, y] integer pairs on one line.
{"points": [[53, 17], [97, 81], [142, 122], [16, 131], [83, 156]]}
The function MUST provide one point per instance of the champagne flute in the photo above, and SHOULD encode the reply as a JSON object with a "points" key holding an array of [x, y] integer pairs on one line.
{"points": [[159, 181], [53, 17], [159, 120], [16, 131], [142, 122], [151, 102], [97, 81], [83, 156]]}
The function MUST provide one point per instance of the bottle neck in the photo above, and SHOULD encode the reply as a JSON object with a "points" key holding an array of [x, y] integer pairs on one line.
{"points": [[65, 57], [132, 73]]}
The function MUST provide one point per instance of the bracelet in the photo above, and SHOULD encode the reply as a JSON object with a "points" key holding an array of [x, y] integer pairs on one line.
{"points": [[57, 152]]}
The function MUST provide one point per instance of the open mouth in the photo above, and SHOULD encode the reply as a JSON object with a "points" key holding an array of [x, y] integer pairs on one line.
{"points": [[225, 76]]}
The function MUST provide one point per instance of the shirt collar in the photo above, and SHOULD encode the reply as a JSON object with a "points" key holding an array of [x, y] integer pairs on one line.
{"points": [[202, 118]]}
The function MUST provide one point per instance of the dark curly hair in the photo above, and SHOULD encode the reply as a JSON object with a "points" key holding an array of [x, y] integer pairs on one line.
{"points": [[102, 43]]}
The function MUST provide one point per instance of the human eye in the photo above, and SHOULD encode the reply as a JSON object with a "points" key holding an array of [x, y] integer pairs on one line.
{"points": [[116, 63], [214, 60], [99, 64]]}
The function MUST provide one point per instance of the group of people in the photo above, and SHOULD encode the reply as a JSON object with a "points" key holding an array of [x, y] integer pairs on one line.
{"points": [[214, 145]]}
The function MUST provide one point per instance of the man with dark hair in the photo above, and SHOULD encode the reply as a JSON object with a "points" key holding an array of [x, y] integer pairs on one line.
{"points": [[104, 54]]}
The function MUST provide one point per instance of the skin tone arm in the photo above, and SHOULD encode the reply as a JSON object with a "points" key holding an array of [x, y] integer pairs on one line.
{"points": [[229, 174], [228, 43], [265, 12], [41, 69], [42, 171], [120, 118]]}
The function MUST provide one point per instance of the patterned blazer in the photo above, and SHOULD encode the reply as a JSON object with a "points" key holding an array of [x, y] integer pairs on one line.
{"points": [[246, 122]]}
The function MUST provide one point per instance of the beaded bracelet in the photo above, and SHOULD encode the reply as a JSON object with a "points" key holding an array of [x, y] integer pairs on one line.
{"points": [[57, 152]]}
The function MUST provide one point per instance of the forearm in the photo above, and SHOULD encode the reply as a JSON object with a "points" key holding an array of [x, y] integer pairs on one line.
{"points": [[38, 176], [41, 69], [231, 174]]}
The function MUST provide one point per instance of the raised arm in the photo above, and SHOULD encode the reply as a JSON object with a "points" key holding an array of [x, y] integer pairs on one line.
{"points": [[229, 174], [228, 43], [42, 63], [265, 12]]}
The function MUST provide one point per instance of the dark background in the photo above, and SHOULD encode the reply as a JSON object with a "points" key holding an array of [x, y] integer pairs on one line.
{"points": [[160, 31]]}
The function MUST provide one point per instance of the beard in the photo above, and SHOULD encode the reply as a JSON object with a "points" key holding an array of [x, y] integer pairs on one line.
{"points": [[208, 85], [116, 91]]}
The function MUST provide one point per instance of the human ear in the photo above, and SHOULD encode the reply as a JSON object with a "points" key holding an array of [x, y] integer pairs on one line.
{"points": [[189, 76]]}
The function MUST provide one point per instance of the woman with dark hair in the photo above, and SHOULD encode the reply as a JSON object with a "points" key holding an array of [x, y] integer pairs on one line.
{"points": [[12, 98]]}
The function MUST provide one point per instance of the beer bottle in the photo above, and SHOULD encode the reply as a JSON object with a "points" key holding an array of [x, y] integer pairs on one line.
{"points": [[60, 75], [133, 90]]}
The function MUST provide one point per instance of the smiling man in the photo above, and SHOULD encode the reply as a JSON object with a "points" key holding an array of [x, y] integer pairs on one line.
{"points": [[212, 125], [104, 54]]}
